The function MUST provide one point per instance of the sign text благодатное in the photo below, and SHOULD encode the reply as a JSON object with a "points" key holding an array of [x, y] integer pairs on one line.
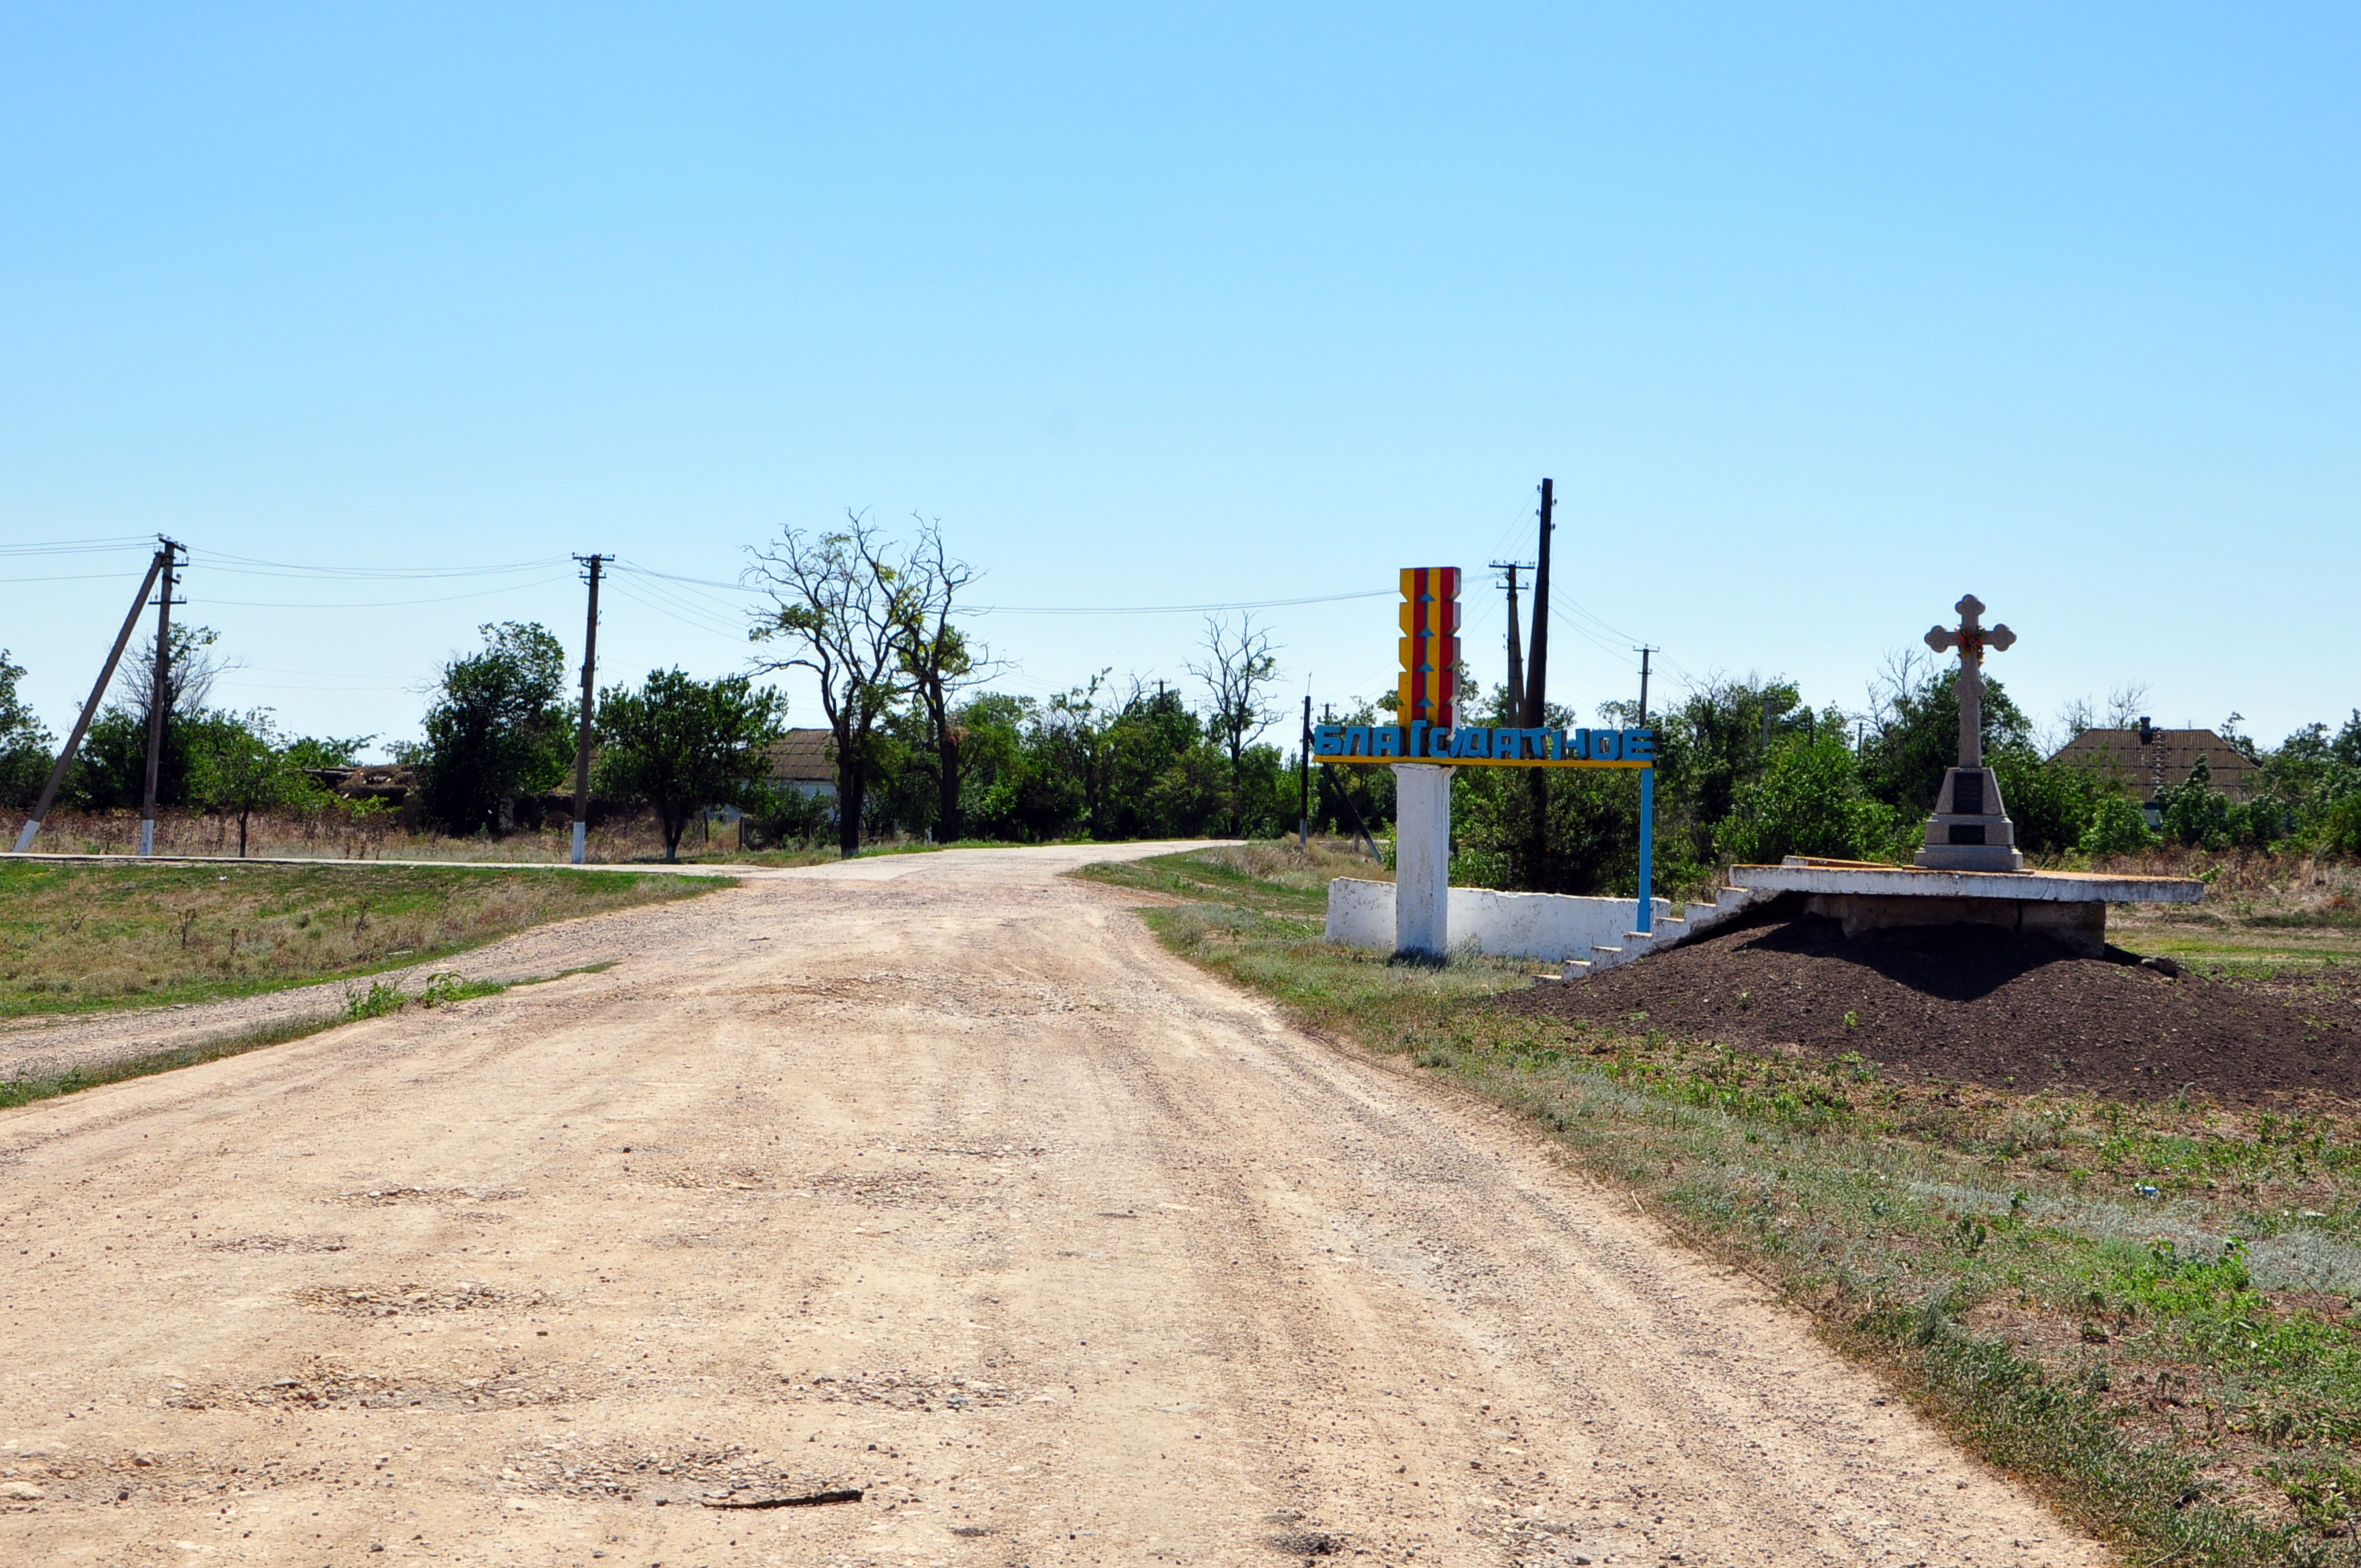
{"points": [[1484, 746]]}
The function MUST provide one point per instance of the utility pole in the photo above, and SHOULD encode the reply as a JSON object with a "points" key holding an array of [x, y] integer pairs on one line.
{"points": [[161, 698], [1767, 721], [1303, 780], [1537, 692], [1516, 639], [1644, 654], [596, 564], [90, 709], [1537, 666]]}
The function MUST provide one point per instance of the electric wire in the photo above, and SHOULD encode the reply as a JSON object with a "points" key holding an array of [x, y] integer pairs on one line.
{"points": [[1063, 610], [376, 604]]}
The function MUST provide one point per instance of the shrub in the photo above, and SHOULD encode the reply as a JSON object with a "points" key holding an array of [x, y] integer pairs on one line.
{"points": [[2117, 826], [1808, 802], [2342, 833]]}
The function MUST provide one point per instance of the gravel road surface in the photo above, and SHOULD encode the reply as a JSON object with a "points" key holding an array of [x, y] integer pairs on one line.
{"points": [[932, 1178]]}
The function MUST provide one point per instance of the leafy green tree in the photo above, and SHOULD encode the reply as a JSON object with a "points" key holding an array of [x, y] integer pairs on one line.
{"points": [[26, 745], [110, 771], [2194, 812], [2051, 803], [1808, 802], [239, 764], [2341, 826], [1915, 739], [499, 729], [2117, 826], [684, 745]]}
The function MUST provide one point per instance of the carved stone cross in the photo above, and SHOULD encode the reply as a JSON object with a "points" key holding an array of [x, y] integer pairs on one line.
{"points": [[1971, 639]]}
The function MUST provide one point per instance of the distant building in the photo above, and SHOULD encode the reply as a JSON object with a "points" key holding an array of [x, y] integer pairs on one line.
{"points": [[2149, 760], [801, 760]]}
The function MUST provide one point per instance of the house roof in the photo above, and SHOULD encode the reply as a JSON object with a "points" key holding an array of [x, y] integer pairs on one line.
{"points": [[2163, 760], [801, 756]]}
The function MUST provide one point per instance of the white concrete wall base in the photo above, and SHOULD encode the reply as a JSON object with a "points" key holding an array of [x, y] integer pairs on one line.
{"points": [[1551, 927]]}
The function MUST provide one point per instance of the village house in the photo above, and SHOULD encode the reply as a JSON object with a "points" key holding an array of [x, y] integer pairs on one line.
{"points": [[2149, 760], [800, 759]]}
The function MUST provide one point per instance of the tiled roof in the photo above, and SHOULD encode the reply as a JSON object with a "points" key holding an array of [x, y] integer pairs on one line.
{"points": [[2164, 760], [801, 756]]}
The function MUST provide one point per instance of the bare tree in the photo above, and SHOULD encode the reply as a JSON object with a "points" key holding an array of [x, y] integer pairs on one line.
{"points": [[938, 659], [1239, 670], [843, 602], [2124, 704]]}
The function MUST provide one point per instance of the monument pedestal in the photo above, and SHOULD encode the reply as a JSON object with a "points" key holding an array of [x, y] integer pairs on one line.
{"points": [[1969, 830]]}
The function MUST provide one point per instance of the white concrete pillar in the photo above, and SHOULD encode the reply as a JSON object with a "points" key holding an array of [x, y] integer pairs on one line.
{"points": [[1421, 860]]}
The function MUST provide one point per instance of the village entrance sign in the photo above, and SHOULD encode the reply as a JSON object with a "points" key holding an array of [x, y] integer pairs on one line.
{"points": [[1430, 742]]}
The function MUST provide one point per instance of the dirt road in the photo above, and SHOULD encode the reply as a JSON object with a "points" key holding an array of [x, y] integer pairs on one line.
{"points": [[930, 1177]]}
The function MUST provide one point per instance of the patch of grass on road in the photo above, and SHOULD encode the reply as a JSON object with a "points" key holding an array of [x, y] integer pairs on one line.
{"points": [[84, 937], [2147, 1310], [1277, 879], [50, 1086]]}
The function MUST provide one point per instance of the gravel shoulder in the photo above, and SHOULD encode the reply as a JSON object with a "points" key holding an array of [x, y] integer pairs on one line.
{"points": [[932, 1177]]}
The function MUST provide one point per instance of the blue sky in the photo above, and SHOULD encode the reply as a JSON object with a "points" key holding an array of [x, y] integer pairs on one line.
{"points": [[1817, 316]]}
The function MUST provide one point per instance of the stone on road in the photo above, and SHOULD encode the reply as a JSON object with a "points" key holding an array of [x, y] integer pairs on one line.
{"points": [[930, 1177]]}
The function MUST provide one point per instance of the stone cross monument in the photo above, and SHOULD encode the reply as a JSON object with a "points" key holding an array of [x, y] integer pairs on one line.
{"points": [[1970, 830]]}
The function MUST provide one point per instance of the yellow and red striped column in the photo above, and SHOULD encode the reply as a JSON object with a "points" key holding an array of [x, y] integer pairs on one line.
{"points": [[1430, 645]]}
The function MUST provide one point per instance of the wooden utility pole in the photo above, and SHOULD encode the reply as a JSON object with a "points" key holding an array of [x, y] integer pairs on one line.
{"points": [[160, 698], [1303, 780], [90, 709], [1537, 692], [590, 677], [1644, 654], [1516, 641], [1537, 666]]}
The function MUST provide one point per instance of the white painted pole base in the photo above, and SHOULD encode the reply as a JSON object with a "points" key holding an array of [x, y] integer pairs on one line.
{"points": [[1421, 860], [146, 836], [581, 830], [25, 840]]}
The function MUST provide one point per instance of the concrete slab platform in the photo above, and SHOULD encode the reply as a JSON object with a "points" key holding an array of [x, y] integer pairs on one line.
{"points": [[2068, 907], [1800, 874]]}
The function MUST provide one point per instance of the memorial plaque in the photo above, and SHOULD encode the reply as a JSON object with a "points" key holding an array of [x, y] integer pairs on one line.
{"points": [[1968, 797]]}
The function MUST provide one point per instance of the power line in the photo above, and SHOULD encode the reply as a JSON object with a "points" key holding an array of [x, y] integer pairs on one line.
{"points": [[383, 604], [1059, 609]]}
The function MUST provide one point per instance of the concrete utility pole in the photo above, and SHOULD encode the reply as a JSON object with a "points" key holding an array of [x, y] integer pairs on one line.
{"points": [[161, 698], [1644, 654], [1516, 639], [589, 675], [90, 709], [1767, 721], [1303, 780], [1537, 692]]}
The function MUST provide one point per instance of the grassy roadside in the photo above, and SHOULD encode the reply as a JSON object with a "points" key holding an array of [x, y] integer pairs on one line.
{"points": [[379, 1000], [78, 936], [2146, 1312]]}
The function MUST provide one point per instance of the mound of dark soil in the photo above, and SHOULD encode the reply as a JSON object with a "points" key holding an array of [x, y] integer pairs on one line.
{"points": [[1978, 1004]]}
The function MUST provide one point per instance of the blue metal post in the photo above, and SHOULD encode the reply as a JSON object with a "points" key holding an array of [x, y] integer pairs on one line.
{"points": [[1647, 848]]}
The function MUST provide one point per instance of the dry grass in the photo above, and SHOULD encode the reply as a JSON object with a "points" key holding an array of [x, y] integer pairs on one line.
{"points": [[79, 936], [622, 841]]}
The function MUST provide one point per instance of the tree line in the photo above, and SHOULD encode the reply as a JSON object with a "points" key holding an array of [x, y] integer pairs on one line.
{"points": [[921, 746]]}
